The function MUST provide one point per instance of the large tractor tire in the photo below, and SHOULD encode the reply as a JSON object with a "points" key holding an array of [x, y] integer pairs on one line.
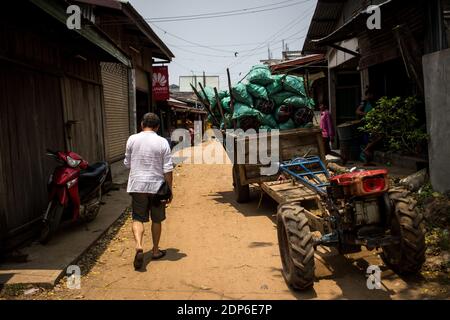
{"points": [[295, 241], [242, 192], [408, 256]]}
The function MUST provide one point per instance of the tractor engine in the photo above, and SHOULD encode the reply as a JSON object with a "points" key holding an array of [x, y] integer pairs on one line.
{"points": [[360, 197]]}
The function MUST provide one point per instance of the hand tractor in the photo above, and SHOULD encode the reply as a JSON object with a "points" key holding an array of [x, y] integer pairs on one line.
{"points": [[347, 212]]}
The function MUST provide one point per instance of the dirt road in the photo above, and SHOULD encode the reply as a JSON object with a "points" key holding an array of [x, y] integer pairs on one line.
{"points": [[218, 249]]}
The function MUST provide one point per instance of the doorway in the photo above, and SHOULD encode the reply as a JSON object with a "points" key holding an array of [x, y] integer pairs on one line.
{"points": [[142, 107]]}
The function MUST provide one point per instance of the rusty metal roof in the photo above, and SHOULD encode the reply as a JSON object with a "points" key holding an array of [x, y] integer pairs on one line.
{"points": [[309, 59], [133, 18], [323, 23]]}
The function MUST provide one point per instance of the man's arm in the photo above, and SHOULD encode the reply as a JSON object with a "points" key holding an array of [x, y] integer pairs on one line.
{"points": [[169, 179], [127, 160], [168, 165]]}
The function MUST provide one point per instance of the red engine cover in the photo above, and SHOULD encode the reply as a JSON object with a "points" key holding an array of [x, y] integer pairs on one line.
{"points": [[349, 178], [363, 183]]}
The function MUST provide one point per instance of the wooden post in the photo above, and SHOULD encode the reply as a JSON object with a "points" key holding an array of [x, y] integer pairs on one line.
{"points": [[219, 105], [205, 103], [212, 114], [231, 97]]}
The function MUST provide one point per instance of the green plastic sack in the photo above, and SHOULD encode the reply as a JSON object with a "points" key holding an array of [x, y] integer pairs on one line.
{"points": [[241, 95], [295, 84], [279, 98], [226, 104], [242, 110], [257, 91], [223, 94], [260, 74], [210, 96], [276, 86], [311, 103], [287, 125], [297, 102], [269, 120]]}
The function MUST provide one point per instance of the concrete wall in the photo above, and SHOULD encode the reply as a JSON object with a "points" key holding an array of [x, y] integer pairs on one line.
{"points": [[436, 68]]}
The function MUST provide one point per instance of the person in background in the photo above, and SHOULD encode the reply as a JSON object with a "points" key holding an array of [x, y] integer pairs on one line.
{"points": [[148, 156], [328, 132], [368, 142], [366, 105]]}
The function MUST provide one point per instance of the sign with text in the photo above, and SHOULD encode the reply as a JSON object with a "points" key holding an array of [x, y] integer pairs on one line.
{"points": [[160, 83]]}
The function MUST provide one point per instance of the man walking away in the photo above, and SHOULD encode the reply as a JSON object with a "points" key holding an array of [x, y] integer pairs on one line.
{"points": [[149, 159]]}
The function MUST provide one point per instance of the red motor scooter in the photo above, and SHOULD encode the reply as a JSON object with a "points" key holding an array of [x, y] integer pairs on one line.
{"points": [[75, 191]]}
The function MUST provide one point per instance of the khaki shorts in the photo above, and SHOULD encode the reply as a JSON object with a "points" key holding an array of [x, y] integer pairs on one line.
{"points": [[145, 207]]}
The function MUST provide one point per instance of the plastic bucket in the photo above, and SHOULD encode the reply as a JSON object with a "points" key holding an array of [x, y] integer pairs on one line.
{"points": [[349, 130]]}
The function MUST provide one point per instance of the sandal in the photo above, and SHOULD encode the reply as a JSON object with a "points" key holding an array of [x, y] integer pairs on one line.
{"points": [[138, 259], [161, 254]]}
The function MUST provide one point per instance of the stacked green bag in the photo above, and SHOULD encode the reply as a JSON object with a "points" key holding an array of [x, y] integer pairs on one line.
{"points": [[297, 102], [257, 103], [257, 91], [223, 94], [241, 95], [280, 97], [226, 104], [295, 85], [260, 74], [242, 110], [276, 86], [269, 121], [210, 96]]}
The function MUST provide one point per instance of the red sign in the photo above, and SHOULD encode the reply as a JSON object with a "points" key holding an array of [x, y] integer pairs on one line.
{"points": [[160, 83]]}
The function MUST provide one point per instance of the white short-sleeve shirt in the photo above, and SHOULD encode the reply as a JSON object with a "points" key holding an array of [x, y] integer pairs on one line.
{"points": [[148, 156]]}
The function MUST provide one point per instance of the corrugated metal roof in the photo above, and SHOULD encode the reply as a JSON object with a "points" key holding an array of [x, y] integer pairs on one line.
{"points": [[323, 22], [139, 22], [351, 28], [298, 62]]}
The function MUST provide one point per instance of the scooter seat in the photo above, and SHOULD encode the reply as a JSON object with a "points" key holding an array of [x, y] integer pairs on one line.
{"points": [[90, 178], [94, 171]]}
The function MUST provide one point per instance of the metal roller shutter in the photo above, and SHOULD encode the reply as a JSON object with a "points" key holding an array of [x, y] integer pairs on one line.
{"points": [[117, 122]]}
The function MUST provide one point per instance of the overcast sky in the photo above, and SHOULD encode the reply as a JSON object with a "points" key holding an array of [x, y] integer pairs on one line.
{"points": [[247, 34]]}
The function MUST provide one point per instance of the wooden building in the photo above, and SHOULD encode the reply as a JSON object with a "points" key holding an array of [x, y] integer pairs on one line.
{"points": [[128, 90], [387, 59], [65, 89]]}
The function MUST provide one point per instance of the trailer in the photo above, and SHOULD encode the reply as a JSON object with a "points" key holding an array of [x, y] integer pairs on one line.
{"points": [[292, 144]]}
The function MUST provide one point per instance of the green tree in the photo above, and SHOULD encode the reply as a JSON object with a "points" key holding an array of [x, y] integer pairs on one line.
{"points": [[395, 120]]}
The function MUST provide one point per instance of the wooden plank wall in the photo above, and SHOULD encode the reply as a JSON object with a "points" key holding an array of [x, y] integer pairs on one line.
{"points": [[31, 121], [83, 104], [37, 56], [378, 46]]}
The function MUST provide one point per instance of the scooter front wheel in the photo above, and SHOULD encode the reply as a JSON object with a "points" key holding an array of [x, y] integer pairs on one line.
{"points": [[50, 226]]}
